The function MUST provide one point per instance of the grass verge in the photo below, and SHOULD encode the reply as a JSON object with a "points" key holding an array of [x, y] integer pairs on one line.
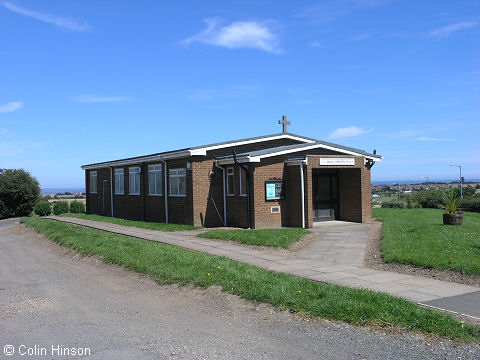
{"points": [[267, 237], [418, 237], [173, 265], [134, 223]]}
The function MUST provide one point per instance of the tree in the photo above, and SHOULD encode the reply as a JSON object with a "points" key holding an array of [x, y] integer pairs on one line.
{"points": [[19, 191]]}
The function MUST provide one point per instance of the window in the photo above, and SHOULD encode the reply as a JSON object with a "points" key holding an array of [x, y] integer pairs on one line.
{"points": [[155, 179], [93, 182], [243, 182], [230, 187], [178, 184], [119, 181], [134, 180]]}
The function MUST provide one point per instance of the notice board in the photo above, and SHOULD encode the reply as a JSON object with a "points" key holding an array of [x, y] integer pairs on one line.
{"points": [[274, 190]]}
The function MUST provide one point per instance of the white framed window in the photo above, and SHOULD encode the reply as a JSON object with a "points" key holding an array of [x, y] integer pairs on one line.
{"points": [[134, 180], [93, 182], [243, 182], [119, 182], [230, 181], [178, 182], [155, 184]]}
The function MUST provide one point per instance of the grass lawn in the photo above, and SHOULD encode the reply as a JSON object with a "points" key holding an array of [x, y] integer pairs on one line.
{"points": [[418, 237], [139, 224], [268, 237], [173, 265]]}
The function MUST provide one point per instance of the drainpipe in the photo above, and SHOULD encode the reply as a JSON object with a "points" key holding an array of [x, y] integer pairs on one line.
{"points": [[247, 176], [302, 191], [165, 195], [111, 190], [224, 194]]}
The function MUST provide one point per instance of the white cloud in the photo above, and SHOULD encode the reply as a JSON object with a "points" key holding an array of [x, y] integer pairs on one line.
{"points": [[100, 99], [448, 30], [316, 44], [11, 106], [10, 145], [66, 23], [426, 138], [237, 35], [349, 132]]}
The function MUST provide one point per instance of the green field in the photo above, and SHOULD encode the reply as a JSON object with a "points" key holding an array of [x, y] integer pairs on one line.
{"points": [[267, 237], [418, 237], [139, 224], [173, 265]]}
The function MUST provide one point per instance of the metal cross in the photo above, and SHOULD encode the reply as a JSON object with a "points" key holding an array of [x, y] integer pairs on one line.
{"points": [[284, 123]]}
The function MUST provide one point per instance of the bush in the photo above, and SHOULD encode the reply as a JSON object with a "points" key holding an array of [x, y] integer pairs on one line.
{"points": [[77, 207], [472, 204], [432, 199], [394, 204], [43, 208], [19, 192], [60, 207]]}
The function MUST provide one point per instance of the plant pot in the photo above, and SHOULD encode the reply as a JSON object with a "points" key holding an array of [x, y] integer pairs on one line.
{"points": [[453, 219]]}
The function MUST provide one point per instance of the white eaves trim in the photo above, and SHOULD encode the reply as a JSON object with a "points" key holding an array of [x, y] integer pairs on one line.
{"points": [[203, 150], [289, 151], [173, 155]]}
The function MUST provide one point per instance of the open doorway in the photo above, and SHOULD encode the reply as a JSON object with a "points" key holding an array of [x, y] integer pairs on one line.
{"points": [[325, 195]]}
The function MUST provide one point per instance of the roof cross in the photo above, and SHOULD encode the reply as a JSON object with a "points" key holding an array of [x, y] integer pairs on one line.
{"points": [[284, 123]]}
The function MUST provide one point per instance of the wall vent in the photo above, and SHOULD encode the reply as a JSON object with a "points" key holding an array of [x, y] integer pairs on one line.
{"points": [[275, 209]]}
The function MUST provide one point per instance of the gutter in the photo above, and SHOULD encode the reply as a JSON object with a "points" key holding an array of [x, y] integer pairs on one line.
{"points": [[302, 192], [247, 176], [165, 195], [111, 190], [224, 194]]}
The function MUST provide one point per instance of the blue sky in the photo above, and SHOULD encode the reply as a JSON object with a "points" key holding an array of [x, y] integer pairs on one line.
{"points": [[88, 81]]}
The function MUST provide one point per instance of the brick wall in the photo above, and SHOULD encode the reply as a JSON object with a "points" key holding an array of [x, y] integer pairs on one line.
{"points": [[204, 191], [208, 187]]}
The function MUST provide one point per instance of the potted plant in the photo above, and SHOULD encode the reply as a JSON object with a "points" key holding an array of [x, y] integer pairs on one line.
{"points": [[453, 215]]}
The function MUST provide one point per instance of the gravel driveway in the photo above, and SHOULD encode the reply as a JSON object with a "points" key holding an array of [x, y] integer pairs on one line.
{"points": [[52, 296]]}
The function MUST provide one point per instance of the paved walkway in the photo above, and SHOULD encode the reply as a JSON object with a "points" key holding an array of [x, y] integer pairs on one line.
{"points": [[336, 257]]}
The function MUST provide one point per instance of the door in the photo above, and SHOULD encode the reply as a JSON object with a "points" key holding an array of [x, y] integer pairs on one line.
{"points": [[105, 197], [325, 196]]}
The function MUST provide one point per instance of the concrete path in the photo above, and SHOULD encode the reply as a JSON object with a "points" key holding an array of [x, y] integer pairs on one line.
{"points": [[51, 298], [336, 257]]}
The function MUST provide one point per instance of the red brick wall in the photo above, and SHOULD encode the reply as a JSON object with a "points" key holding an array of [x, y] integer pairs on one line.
{"points": [[206, 187], [95, 201], [198, 207], [354, 189]]}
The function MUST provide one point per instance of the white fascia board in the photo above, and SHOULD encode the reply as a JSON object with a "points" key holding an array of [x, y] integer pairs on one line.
{"points": [[323, 146], [203, 150], [230, 161], [175, 155]]}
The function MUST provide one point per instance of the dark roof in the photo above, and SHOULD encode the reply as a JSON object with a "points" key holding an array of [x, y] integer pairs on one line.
{"points": [[251, 139], [298, 147], [310, 140]]}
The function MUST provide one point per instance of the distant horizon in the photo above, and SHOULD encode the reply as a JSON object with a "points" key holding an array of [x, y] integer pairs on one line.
{"points": [[56, 189], [79, 87]]}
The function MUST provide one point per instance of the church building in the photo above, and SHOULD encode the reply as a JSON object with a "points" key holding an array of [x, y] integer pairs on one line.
{"points": [[267, 181]]}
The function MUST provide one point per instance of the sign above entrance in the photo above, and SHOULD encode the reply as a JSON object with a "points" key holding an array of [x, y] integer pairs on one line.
{"points": [[337, 161]]}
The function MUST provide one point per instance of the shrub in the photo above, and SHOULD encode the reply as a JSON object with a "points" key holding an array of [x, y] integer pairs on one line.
{"points": [[472, 204], [19, 192], [60, 207], [395, 204], [430, 198], [77, 207], [43, 208]]}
